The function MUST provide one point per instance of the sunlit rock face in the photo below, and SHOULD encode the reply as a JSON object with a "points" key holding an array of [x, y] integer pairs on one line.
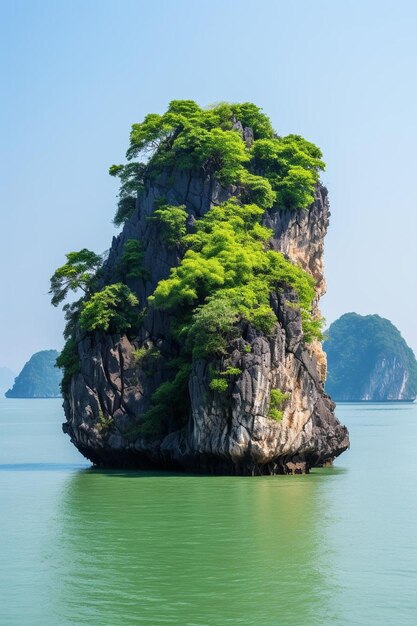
{"points": [[227, 433]]}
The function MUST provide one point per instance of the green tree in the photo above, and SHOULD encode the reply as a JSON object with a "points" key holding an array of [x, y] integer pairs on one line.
{"points": [[131, 262], [172, 223], [112, 309], [213, 326], [77, 273], [131, 177]]}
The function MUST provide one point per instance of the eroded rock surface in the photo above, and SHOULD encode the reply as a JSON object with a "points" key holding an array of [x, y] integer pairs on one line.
{"points": [[227, 433]]}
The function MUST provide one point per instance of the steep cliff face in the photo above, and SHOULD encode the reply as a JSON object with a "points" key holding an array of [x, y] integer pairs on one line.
{"points": [[369, 361], [227, 432]]}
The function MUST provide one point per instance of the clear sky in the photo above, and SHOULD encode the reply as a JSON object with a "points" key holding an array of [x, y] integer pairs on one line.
{"points": [[76, 74]]}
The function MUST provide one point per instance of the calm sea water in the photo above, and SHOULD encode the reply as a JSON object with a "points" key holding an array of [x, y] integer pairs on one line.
{"points": [[104, 548]]}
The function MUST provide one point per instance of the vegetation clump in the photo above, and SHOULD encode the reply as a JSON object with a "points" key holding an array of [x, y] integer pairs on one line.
{"points": [[219, 384], [112, 309], [271, 171], [171, 221], [220, 380], [276, 401], [227, 275], [104, 422], [131, 263]]}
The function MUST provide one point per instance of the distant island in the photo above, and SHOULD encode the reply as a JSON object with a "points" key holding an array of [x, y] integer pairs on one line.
{"points": [[39, 378], [368, 360]]}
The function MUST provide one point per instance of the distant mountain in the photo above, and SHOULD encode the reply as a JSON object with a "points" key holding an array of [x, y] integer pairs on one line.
{"points": [[39, 377], [368, 359], [6, 379]]}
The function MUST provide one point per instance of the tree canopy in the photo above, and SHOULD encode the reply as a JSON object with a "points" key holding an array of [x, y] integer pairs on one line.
{"points": [[77, 273], [272, 171]]}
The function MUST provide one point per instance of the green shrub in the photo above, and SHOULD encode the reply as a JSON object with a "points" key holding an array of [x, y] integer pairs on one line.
{"points": [[292, 166], [125, 209], [231, 371], [172, 222], [219, 384], [275, 414], [211, 328], [276, 400], [131, 261], [257, 189], [138, 354], [112, 309], [218, 380], [104, 422], [251, 116]]}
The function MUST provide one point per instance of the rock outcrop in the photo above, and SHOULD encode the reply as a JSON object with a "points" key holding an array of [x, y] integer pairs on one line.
{"points": [[39, 377], [221, 433], [369, 360]]}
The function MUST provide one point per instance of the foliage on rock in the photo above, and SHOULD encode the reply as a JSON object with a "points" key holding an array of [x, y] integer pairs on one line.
{"points": [[77, 273], [171, 221], [131, 183], [271, 170], [112, 309], [276, 402], [131, 263], [227, 274]]}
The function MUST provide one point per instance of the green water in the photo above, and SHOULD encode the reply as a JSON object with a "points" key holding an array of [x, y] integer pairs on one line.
{"points": [[94, 548]]}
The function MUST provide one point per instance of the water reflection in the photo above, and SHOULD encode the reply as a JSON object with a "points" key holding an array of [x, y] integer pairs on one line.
{"points": [[191, 550]]}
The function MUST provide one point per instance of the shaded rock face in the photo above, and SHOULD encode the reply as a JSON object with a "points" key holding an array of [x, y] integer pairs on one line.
{"points": [[369, 361], [230, 432]]}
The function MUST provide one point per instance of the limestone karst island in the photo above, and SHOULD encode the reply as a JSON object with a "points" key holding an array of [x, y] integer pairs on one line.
{"points": [[196, 344], [369, 361]]}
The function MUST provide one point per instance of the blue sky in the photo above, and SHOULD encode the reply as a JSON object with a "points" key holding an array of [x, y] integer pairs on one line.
{"points": [[76, 75]]}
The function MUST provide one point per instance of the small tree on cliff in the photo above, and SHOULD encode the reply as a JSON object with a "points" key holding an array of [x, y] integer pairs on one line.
{"points": [[77, 273]]}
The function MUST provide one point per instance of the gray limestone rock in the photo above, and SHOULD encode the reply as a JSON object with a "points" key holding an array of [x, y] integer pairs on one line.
{"points": [[228, 433]]}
